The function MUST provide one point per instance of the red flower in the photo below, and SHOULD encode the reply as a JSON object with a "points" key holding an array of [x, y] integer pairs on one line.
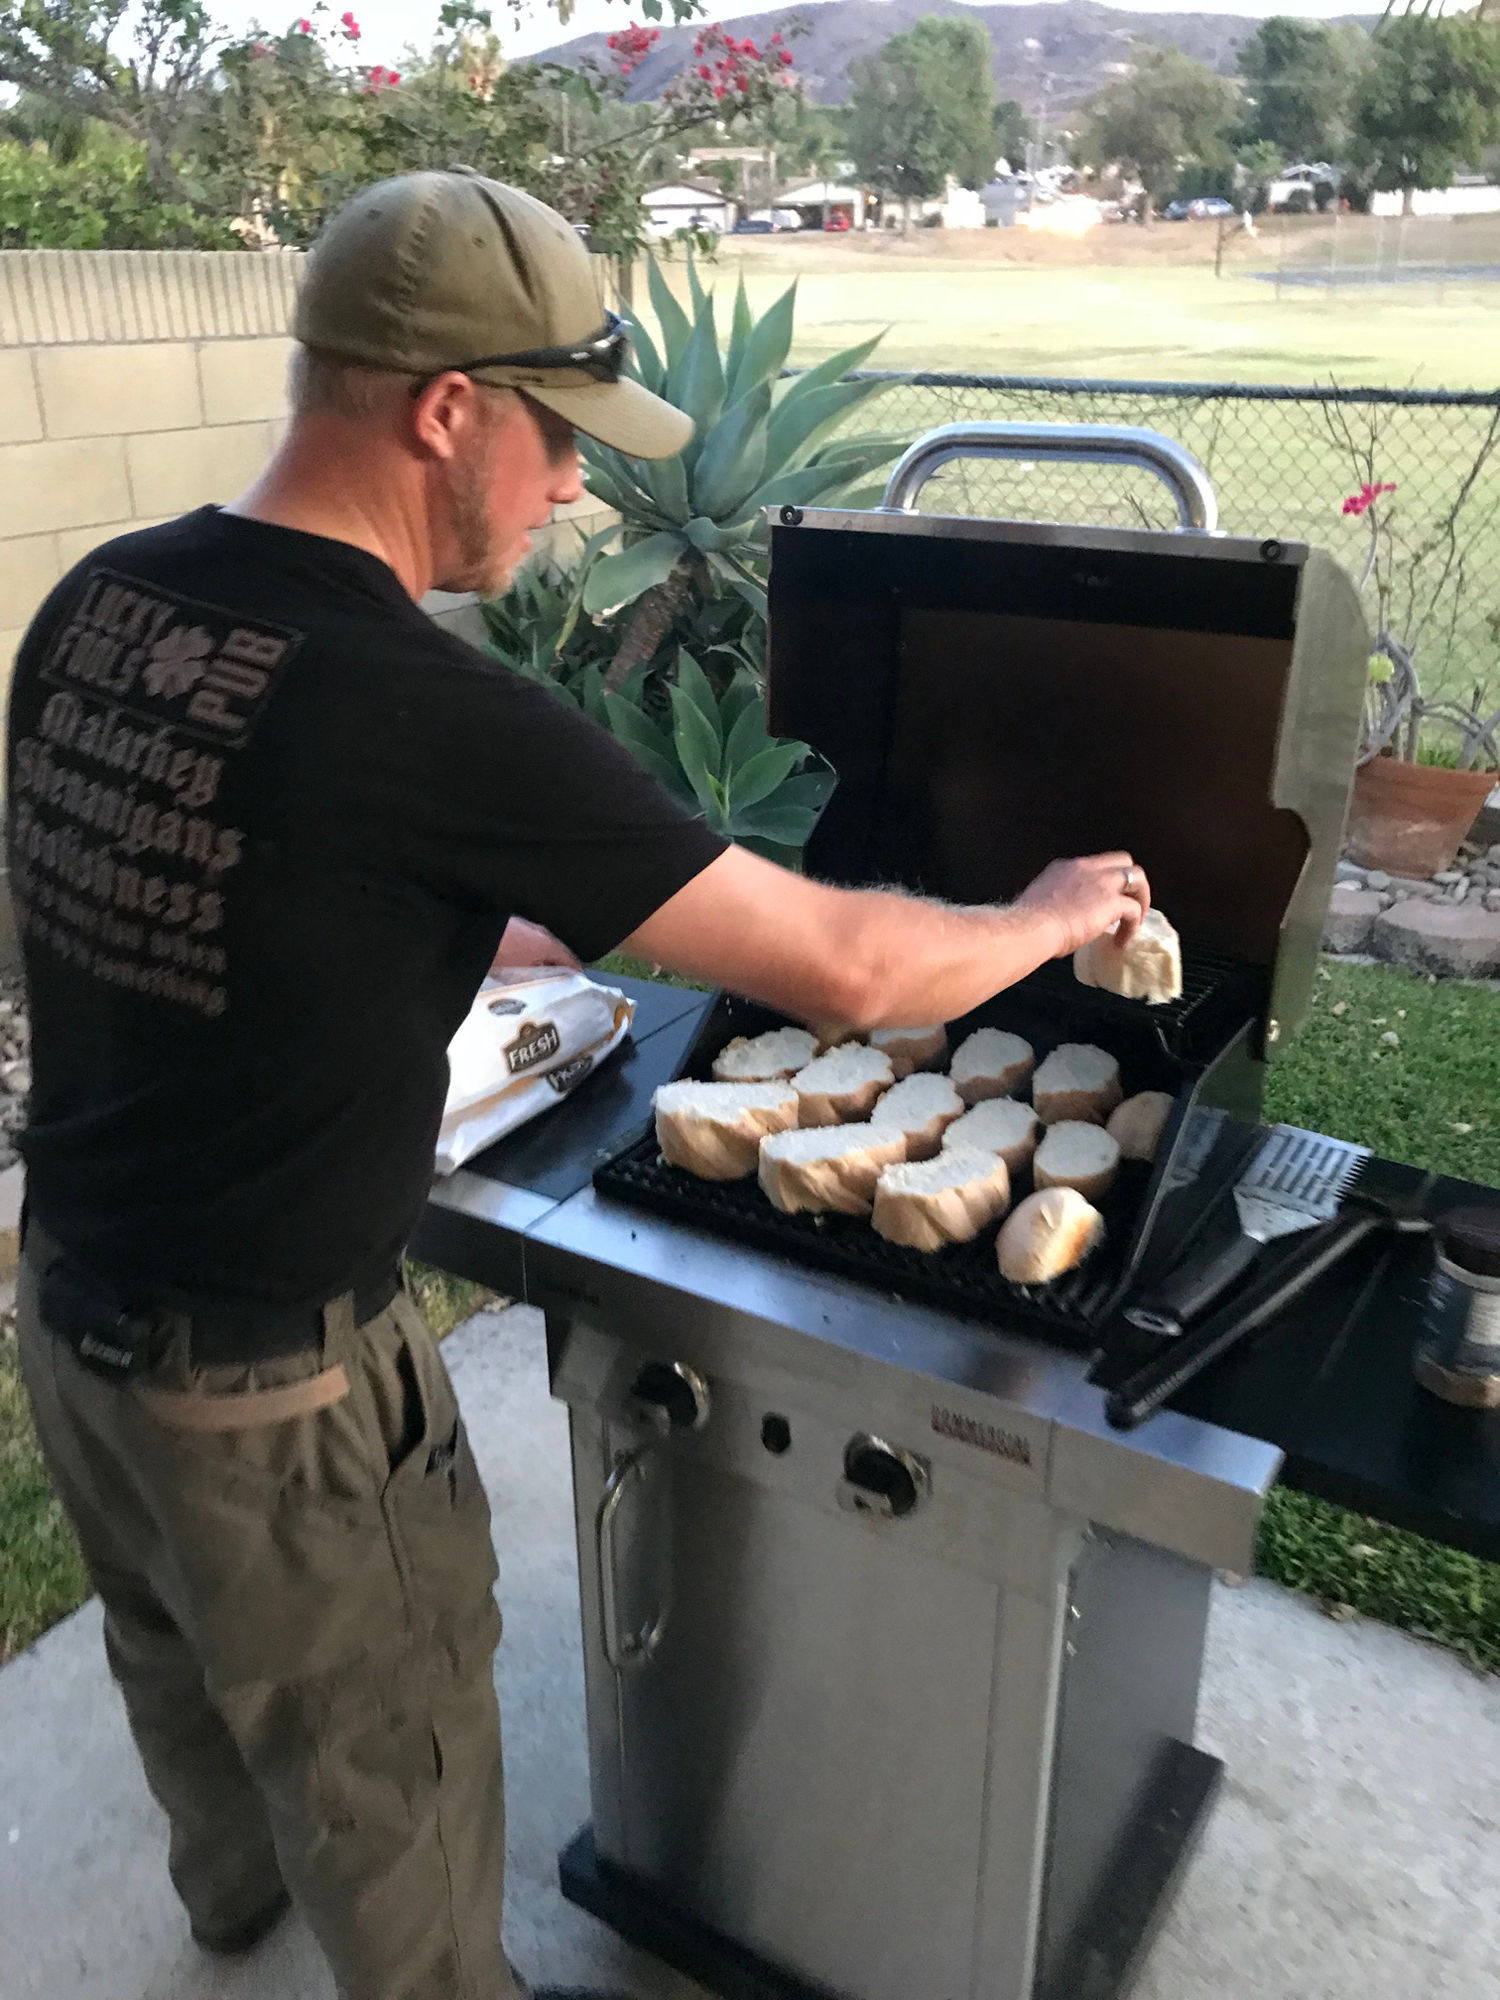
{"points": [[303, 27], [1359, 503], [393, 77], [705, 72], [786, 58], [749, 49], [718, 90], [350, 26], [743, 82]]}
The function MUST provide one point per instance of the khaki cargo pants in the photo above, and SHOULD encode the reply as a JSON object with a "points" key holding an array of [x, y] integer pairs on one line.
{"points": [[298, 1611]]}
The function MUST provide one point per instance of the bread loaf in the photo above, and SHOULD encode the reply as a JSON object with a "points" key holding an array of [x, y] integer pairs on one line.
{"points": [[1002, 1125], [1138, 1124], [911, 1048], [1076, 1081], [827, 1167], [990, 1063], [946, 1200], [843, 1086], [1148, 968], [1077, 1156], [714, 1130], [762, 1058], [923, 1107], [1045, 1236]]}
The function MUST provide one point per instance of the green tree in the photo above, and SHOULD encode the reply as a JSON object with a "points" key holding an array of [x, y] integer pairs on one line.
{"points": [[1430, 101], [1169, 109], [922, 109], [1300, 78], [1014, 131]]}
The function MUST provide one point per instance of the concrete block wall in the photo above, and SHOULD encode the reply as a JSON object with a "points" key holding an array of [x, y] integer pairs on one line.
{"points": [[98, 438]]}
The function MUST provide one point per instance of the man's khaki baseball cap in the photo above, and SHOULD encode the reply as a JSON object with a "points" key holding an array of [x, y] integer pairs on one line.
{"points": [[440, 270]]}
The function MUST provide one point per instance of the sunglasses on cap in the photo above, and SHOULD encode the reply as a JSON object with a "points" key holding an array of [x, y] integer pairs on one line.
{"points": [[601, 356]]}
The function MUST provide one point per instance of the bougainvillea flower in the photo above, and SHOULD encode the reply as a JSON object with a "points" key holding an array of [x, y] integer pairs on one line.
{"points": [[1360, 502]]}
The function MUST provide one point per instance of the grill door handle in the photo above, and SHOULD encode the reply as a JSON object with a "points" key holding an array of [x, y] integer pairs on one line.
{"points": [[626, 1651], [1081, 444]]}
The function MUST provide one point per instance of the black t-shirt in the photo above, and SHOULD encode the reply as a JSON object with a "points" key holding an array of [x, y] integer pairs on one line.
{"points": [[267, 823]]}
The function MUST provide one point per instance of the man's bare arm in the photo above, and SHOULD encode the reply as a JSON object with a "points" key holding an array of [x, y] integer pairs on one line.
{"points": [[874, 958]]}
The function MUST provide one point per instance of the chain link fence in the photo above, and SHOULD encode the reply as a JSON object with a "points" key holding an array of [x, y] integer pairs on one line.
{"points": [[1283, 462]]}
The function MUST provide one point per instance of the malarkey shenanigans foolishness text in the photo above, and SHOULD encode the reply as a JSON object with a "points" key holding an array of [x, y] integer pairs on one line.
{"points": [[157, 693]]}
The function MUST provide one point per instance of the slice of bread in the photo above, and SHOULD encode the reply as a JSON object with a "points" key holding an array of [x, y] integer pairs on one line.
{"points": [[1046, 1236], [1139, 1122], [843, 1086], [923, 1107], [911, 1048], [1002, 1125], [827, 1167], [714, 1130], [1076, 1081], [1149, 968], [990, 1063], [762, 1058], [946, 1200], [1077, 1156]]}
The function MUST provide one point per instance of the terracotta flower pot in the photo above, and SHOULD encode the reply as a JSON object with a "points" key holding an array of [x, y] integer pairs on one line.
{"points": [[1410, 818]]}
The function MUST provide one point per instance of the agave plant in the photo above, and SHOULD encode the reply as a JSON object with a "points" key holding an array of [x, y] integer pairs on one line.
{"points": [[693, 524], [718, 757]]}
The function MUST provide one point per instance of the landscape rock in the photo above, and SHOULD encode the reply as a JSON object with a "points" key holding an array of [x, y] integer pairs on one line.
{"points": [[1376, 878], [1351, 917], [1348, 872], [1451, 941], [1449, 878], [1492, 899]]}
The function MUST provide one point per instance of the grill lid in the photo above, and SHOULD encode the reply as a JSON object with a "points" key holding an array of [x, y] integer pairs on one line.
{"points": [[995, 695]]}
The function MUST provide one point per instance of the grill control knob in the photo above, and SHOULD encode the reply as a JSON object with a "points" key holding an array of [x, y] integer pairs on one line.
{"points": [[671, 1396], [882, 1479]]}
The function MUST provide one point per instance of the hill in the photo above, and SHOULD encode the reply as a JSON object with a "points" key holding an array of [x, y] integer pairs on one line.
{"points": [[1050, 56]]}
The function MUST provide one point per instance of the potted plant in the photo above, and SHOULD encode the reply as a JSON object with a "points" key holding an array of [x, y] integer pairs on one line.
{"points": [[1426, 763], [1412, 806]]}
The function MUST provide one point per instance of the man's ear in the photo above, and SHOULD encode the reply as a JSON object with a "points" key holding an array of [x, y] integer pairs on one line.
{"points": [[446, 414]]}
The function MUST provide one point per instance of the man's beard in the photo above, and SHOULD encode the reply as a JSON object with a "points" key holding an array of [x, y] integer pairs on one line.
{"points": [[478, 563]]}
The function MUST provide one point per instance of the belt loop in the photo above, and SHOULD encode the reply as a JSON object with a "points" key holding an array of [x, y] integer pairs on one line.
{"points": [[338, 1329]]}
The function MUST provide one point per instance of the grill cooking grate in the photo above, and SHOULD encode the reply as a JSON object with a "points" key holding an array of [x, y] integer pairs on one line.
{"points": [[963, 1278], [1159, 1048]]}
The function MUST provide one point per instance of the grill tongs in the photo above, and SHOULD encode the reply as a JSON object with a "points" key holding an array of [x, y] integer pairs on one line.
{"points": [[1364, 1215]]}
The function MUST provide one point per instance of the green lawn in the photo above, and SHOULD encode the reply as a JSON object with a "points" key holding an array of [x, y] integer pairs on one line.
{"points": [[1120, 306]]}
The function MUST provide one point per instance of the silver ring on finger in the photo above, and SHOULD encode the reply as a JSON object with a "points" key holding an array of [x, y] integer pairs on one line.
{"points": [[1129, 880]]}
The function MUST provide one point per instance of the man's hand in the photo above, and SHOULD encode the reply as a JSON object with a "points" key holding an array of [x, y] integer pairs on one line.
{"points": [[528, 944], [1089, 897]]}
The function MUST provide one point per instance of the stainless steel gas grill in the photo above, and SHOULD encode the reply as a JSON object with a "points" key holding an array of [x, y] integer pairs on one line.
{"points": [[892, 1640]]}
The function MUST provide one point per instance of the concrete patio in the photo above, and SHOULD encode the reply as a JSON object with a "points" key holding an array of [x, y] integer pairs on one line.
{"points": [[1354, 1855]]}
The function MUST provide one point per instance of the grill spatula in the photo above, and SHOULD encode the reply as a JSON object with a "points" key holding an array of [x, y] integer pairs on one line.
{"points": [[1296, 1180]]}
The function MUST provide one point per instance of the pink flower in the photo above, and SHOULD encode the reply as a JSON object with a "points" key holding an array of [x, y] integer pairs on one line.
{"points": [[705, 72], [1360, 502], [350, 26], [303, 27], [786, 58], [718, 90]]}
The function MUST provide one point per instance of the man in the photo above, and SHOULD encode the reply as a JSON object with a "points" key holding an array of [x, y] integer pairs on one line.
{"points": [[268, 826]]}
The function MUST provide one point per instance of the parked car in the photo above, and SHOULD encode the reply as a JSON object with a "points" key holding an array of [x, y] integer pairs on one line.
{"points": [[786, 218], [755, 225], [837, 221], [1209, 208]]}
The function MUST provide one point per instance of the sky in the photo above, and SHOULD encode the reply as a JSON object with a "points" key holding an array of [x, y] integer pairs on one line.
{"points": [[388, 25]]}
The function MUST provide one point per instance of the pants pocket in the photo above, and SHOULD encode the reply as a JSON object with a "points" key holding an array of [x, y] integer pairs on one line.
{"points": [[435, 1507]]}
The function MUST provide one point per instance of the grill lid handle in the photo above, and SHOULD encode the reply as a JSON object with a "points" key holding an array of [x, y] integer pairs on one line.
{"points": [[1080, 444]]}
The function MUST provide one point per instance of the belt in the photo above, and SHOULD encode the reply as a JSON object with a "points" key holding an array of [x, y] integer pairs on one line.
{"points": [[222, 1332], [246, 1330]]}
